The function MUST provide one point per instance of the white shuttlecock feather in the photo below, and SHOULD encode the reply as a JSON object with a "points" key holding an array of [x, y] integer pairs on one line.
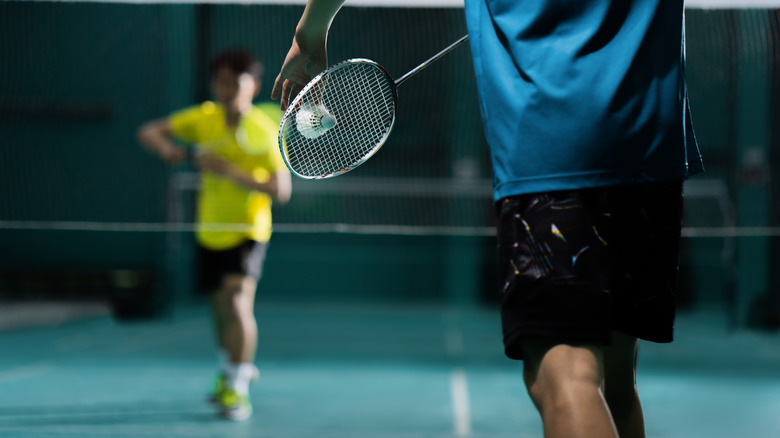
{"points": [[313, 120]]}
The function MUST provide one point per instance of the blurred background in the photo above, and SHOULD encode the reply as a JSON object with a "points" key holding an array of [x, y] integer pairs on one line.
{"points": [[82, 203], [86, 214], [90, 221]]}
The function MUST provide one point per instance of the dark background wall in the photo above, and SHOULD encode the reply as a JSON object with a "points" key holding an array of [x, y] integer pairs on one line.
{"points": [[77, 79]]}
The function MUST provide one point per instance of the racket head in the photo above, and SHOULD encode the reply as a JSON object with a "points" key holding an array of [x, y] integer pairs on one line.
{"points": [[339, 120]]}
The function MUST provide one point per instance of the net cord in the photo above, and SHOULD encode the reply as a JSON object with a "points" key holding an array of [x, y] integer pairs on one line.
{"points": [[412, 230]]}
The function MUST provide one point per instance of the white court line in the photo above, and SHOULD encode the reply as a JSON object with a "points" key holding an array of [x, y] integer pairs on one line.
{"points": [[24, 371], [461, 411]]}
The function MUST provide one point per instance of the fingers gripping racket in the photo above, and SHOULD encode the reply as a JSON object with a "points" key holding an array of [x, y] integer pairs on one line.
{"points": [[342, 117]]}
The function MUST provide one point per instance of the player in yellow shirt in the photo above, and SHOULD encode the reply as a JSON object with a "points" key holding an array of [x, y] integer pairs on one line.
{"points": [[242, 173]]}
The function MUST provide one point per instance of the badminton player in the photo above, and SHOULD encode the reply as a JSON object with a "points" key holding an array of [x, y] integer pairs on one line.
{"points": [[585, 110], [241, 174]]}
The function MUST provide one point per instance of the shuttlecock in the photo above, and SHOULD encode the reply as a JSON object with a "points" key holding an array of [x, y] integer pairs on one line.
{"points": [[314, 120]]}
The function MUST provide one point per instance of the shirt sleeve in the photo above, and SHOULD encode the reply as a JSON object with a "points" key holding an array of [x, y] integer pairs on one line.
{"points": [[184, 123]]}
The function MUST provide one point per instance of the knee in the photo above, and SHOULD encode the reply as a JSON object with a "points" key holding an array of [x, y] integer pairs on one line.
{"points": [[232, 295], [561, 380], [563, 391], [231, 285]]}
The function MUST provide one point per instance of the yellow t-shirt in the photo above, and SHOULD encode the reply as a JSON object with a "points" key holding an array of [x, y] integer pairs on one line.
{"points": [[252, 146]]}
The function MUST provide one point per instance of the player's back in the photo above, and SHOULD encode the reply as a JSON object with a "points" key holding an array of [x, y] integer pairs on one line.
{"points": [[581, 93]]}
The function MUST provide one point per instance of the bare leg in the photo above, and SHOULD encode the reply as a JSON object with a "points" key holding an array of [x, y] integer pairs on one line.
{"points": [[565, 383], [219, 311], [620, 390], [234, 317]]}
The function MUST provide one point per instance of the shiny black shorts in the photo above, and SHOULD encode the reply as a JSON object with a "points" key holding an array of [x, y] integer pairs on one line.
{"points": [[576, 265], [212, 266]]}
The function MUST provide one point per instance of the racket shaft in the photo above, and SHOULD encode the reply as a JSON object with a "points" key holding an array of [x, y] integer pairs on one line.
{"points": [[430, 61]]}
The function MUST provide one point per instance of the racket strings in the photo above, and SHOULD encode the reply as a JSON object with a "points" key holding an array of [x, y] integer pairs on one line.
{"points": [[360, 98], [366, 100], [355, 93]]}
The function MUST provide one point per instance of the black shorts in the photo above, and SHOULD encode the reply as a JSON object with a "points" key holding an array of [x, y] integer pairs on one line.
{"points": [[576, 265], [245, 259]]}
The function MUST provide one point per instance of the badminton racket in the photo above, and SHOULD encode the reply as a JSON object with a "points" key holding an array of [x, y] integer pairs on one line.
{"points": [[342, 117]]}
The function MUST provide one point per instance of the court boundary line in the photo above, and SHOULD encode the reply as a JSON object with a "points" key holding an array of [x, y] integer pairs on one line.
{"points": [[461, 409]]}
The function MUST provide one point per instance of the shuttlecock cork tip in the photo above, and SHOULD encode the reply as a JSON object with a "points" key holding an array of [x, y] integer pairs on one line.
{"points": [[328, 121], [314, 120]]}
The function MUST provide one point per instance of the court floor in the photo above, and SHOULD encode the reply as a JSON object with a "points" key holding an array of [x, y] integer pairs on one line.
{"points": [[346, 371]]}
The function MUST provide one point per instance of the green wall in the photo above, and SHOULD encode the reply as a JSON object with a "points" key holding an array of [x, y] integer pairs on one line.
{"points": [[77, 79]]}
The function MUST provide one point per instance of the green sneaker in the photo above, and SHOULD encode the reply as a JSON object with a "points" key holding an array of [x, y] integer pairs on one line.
{"points": [[233, 405], [217, 388]]}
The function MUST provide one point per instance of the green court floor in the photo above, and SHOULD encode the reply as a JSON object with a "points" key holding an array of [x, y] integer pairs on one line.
{"points": [[346, 371]]}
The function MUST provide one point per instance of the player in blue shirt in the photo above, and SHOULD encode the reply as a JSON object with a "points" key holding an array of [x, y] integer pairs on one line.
{"points": [[585, 109]]}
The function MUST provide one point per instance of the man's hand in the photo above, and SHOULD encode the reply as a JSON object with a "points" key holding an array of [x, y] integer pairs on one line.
{"points": [[308, 56], [172, 154], [303, 62], [278, 186], [214, 164]]}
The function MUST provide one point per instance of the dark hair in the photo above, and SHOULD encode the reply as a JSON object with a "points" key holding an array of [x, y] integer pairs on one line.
{"points": [[239, 61]]}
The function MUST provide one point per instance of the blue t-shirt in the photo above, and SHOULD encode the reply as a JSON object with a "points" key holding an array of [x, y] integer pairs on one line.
{"points": [[582, 93]]}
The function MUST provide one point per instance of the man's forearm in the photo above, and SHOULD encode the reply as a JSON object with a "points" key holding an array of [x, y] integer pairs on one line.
{"points": [[155, 136], [272, 187], [316, 19], [155, 141]]}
